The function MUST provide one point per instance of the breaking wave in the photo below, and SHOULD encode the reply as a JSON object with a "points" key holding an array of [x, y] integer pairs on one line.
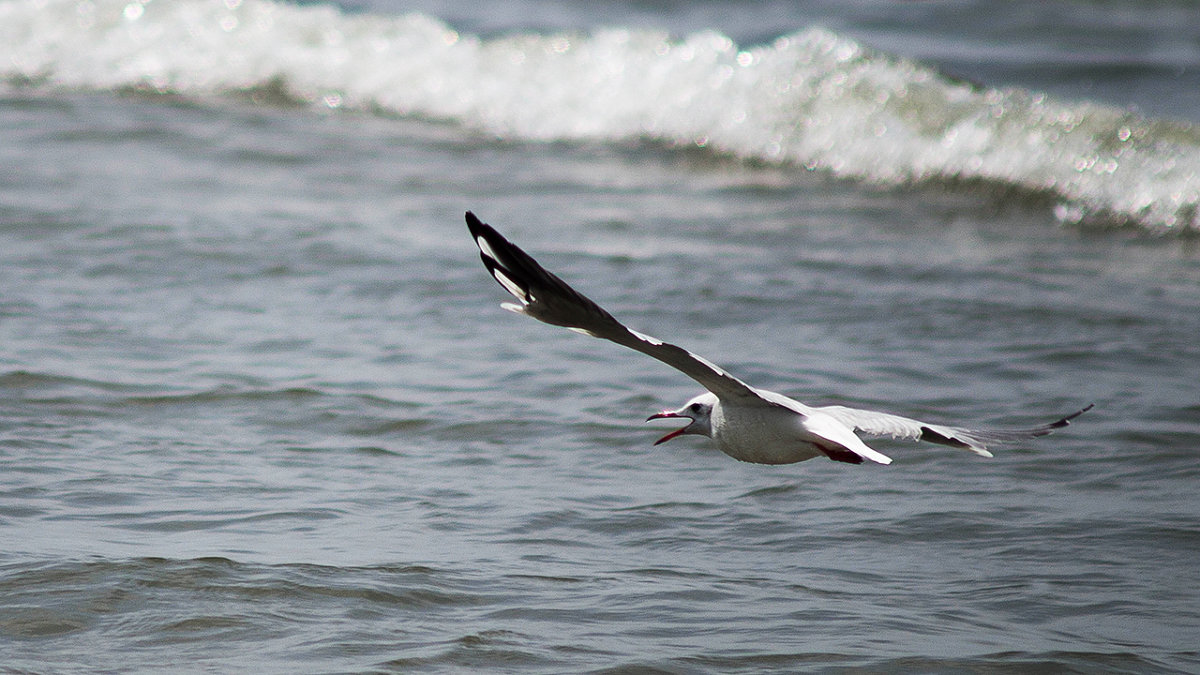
{"points": [[813, 99]]}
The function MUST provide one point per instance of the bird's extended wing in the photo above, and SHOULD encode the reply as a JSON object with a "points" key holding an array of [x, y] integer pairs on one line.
{"points": [[551, 300], [877, 424]]}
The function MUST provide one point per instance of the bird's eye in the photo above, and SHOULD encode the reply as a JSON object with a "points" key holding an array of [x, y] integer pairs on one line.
{"points": [[695, 407]]}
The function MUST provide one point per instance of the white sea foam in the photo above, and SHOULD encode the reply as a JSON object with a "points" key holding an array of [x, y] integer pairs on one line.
{"points": [[814, 99]]}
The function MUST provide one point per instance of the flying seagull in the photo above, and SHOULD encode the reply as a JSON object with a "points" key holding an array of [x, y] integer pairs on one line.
{"points": [[748, 424]]}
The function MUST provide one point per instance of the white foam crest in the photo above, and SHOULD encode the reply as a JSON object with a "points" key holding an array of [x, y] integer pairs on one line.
{"points": [[815, 99]]}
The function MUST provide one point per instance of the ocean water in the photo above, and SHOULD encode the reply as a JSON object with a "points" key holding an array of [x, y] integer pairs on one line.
{"points": [[260, 410]]}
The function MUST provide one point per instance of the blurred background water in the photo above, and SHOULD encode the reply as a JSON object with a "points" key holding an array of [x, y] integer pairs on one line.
{"points": [[259, 408]]}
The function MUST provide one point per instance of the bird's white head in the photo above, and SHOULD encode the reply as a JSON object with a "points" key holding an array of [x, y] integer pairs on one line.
{"points": [[698, 410]]}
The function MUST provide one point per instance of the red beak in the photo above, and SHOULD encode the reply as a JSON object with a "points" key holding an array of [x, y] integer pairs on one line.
{"points": [[666, 414]]}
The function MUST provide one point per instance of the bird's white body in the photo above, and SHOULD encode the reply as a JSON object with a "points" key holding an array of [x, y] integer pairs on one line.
{"points": [[763, 435], [752, 425], [771, 428]]}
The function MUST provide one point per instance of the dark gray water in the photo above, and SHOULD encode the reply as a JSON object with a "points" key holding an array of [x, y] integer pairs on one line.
{"points": [[259, 409]]}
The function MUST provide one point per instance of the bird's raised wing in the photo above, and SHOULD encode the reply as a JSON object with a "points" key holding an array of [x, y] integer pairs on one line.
{"points": [[551, 300], [878, 424]]}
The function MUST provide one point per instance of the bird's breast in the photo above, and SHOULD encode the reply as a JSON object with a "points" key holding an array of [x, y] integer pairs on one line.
{"points": [[761, 434]]}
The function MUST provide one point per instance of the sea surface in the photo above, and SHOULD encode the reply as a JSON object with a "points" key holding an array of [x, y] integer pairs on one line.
{"points": [[260, 410]]}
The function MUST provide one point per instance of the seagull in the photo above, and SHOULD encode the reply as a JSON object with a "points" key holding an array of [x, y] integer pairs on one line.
{"points": [[748, 424]]}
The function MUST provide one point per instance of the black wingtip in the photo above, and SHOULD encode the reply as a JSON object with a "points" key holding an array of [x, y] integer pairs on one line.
{"points": [[474, 224], [483, 234], [511, 267], [495, 241], [1066, 421]]}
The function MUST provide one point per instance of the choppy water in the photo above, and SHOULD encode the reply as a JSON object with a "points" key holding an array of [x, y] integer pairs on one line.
{"points": [[259, 408]]}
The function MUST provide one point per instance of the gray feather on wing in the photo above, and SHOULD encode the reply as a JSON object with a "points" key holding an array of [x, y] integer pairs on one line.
{"points": [[874, 423]]}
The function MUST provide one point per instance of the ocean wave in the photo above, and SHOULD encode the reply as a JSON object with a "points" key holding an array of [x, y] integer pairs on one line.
{"points": [[814, 99]]}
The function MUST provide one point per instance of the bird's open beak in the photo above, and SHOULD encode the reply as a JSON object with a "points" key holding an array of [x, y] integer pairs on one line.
{"points": [[664, 415]]}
